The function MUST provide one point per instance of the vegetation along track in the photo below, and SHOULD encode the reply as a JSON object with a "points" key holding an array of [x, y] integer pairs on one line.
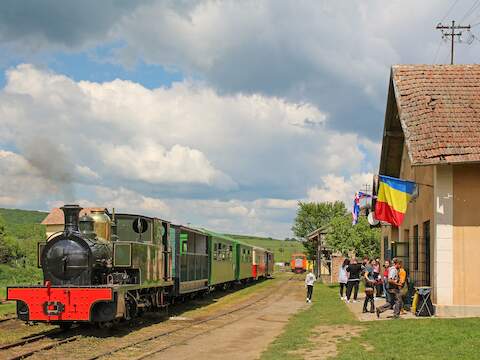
{"points": [[30, 345], [187, 327]]}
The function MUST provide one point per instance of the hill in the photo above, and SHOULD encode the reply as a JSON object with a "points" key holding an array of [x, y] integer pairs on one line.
{"points": [[282, 249], [16, 216]]}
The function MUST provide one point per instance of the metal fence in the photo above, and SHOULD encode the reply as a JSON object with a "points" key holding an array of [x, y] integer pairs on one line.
{"points": [[416, 261]]}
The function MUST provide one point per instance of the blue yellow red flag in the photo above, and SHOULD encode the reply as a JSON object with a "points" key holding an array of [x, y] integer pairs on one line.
{"points": [[392, 199]]}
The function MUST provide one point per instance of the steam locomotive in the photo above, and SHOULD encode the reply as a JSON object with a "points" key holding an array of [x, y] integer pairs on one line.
{"points": [[103, 268]]}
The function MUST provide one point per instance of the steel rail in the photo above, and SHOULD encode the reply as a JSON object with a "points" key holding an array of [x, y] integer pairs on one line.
{"points": [[166, 333], [46, 347], [7, 318]]}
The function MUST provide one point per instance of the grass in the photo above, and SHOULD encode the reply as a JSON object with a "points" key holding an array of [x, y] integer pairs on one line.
{"points": [[9, 276], [226, 299], [282, 249], [395, 339]]}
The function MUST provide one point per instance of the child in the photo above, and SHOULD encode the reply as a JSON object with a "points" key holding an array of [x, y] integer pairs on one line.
{"points": [[309, 280]]}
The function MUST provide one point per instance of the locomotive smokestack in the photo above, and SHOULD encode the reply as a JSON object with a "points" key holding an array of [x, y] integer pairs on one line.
{"points": [[71, 214]]}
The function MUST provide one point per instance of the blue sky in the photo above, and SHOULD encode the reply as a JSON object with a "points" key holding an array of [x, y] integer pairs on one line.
{"points": [[220, 114]]}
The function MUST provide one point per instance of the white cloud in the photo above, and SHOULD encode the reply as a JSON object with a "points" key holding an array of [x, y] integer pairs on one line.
{"points": [[308, 50], [335, 188], [186, 153], [20, 183], [152, 163], [86, 172]]}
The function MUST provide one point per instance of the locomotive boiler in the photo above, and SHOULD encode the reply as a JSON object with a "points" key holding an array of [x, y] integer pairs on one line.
{"points": [[78, 255]]}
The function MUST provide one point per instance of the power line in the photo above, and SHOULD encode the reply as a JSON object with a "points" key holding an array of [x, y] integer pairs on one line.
{"points": [[452, 34], [449, 10], [438, 51], [469, 11]]}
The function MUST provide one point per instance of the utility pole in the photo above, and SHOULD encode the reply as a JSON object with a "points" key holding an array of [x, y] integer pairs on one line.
{"points": [[366, 189], [452, 34]]}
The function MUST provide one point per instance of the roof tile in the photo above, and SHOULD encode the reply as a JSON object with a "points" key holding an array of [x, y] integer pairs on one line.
{"points": [[439, 107]]}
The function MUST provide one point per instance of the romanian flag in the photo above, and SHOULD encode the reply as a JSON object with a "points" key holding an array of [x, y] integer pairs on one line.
{"points": [[392, 199]]}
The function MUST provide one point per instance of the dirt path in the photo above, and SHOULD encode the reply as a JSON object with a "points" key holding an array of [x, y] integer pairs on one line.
{"points": [[245, 334]]}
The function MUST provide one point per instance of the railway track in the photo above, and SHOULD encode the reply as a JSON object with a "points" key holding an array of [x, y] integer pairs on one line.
{"points": [[3, 319], [35, 344], [179, 329], [16, 351]]}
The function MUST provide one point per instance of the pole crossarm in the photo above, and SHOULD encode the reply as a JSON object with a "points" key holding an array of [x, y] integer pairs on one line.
{"points": [[452, 34]]}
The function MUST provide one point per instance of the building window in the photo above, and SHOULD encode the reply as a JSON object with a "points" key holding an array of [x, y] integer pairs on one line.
{"points": [[415, 247]]}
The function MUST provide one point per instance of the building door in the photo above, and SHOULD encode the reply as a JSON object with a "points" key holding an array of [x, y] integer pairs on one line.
{"points": [[426, 236]]}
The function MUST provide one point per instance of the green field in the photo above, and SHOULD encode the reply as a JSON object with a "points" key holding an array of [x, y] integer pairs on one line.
{"points": [[328, 322], [282, 249]]}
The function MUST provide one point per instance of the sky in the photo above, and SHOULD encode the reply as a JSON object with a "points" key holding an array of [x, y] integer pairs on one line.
{"points": [[221, 114]]}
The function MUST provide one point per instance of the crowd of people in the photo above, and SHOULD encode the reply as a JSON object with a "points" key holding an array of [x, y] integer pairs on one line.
{"points": [[391, 284]]}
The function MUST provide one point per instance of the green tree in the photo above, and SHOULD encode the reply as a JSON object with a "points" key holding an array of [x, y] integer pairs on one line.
{"points": [[361, 238], [6, 243], [311, 216]]}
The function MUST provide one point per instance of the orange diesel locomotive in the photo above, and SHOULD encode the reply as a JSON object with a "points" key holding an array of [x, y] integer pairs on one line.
{"points": [[298, 263]]}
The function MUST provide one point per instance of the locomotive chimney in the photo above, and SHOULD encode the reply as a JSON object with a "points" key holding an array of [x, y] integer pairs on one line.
{"points": [[71, 214]]}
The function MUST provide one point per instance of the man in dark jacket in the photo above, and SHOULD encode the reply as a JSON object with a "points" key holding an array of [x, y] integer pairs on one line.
{"points": [[354, 270]]}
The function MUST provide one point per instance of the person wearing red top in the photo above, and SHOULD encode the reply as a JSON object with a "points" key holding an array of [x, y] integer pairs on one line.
{"points": [[385, 280]]}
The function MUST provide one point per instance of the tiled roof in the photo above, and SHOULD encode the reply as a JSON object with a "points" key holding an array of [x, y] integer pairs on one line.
{"points": [[439, 109], [55, 217]]}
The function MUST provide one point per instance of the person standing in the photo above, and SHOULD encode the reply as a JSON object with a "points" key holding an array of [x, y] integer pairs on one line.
{"points": [[394, 290], [385, 281], [343, 278], [402, 281], [376, 274], [354, 269], [309, 281], [369, 277]]}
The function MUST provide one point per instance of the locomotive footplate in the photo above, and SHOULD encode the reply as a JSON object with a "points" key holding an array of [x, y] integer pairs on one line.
{"points": [[49, 303]]}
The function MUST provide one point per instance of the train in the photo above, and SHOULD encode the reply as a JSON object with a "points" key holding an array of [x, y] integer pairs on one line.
{"points": [[104, 268], [298, 264]]}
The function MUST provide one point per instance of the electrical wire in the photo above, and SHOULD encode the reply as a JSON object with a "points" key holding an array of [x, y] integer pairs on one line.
{"points": [[437, 52], [449, 10], [472, 8]]}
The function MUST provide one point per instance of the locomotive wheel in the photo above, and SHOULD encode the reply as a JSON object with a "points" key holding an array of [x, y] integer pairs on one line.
{"points": [[105, 324], [66, 325]]}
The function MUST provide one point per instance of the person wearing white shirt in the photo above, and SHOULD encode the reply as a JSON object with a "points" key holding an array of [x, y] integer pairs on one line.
{"points": [[309, 281]]}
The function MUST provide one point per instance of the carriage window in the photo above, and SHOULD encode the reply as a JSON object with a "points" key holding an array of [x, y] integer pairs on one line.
{"points": [[183, 243]]}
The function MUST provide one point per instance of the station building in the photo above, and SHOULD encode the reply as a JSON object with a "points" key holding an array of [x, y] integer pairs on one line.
{"points": [[432, 137]]}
